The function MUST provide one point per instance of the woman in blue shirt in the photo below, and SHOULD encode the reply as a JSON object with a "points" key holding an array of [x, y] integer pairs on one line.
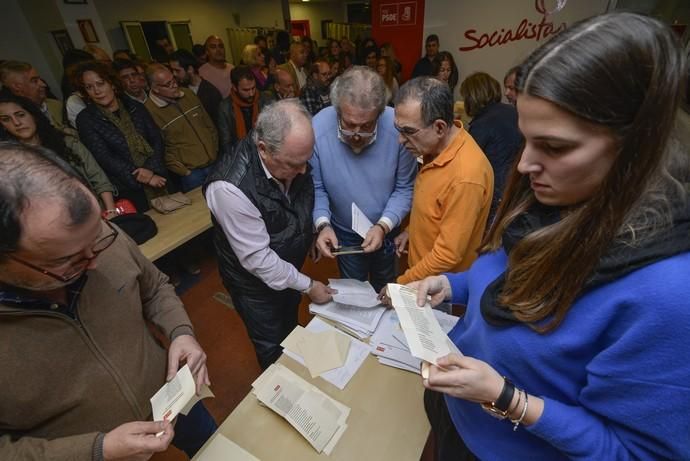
{"points": [[575, 338]]}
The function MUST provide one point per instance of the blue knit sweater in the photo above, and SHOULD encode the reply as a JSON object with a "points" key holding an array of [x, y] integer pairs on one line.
{"points": [[614, 376], [380, 179]]}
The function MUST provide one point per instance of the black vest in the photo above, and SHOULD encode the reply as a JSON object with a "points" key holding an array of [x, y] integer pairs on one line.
{"points": [[288, 222]]}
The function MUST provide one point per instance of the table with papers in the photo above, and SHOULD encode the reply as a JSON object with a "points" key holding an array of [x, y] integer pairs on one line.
{"points": [[386, 420], [327, 396]]}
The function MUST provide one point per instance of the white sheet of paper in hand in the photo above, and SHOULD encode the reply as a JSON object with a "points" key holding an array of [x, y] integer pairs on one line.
{"points": [[204, 393], [174, 395], [424, 335], [360, 222], [353, 292]]}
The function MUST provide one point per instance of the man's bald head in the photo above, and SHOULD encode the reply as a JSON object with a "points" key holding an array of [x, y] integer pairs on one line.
{"points": [[285, 84]]}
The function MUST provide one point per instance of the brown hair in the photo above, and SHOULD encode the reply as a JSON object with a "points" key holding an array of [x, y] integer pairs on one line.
{"points": [[389, 75], [478, 91], [621, 71], [103, 70]]}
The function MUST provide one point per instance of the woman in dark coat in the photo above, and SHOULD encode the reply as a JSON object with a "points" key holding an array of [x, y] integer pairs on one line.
{"points": [[494, 127], [121, 135]]}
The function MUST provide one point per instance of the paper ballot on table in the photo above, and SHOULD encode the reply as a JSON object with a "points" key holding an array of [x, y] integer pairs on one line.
{"points": [[339, 377], [360, 222], [353, 292], [223, 449], [317, 417], [424, 335]]}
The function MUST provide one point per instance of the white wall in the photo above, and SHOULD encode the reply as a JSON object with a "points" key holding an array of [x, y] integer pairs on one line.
{"points": [[450, 21], [71, 13], [22, 42], [207, 16], [317, 12]]}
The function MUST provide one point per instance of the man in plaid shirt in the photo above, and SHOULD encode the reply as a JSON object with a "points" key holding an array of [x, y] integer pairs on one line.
{"points": [[315, 94]]}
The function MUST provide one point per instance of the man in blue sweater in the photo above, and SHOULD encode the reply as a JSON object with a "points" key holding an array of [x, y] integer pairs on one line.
{"points": [[358, 160]]}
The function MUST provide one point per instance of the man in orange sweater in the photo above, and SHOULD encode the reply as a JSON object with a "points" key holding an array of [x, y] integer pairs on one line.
{"points": [[453, 190]]}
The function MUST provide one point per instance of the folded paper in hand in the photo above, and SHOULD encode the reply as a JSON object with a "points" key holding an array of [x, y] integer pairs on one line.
{"points": [[424, 335], [177, 396]]}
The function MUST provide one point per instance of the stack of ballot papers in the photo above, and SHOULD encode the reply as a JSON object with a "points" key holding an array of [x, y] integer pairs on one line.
{"points": [[390, 345], [222, 449], [355, 309], [319, 418], [425, 337], [326, 352], [177, 396], [354, 293]]}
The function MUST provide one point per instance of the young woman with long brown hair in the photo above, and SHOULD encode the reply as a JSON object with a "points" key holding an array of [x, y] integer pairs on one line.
{"points": [[576, 329]]}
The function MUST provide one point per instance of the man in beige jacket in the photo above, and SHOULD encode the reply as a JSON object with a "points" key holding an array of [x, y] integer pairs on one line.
{"points": [[79, 363]]}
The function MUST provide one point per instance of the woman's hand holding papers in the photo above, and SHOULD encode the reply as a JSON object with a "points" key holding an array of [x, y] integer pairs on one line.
{"points": [[465, 378], [437, 286]]}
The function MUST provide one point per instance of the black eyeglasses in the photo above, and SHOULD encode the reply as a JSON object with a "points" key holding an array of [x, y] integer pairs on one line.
{"points": [[408, 131], [76, 268]]}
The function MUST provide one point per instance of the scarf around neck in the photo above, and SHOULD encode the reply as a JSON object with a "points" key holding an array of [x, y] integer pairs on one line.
{"points": [[237, 105], [139, 148], [619, 260]]}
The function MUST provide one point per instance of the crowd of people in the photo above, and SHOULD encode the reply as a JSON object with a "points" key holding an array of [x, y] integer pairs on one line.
{"points": [[559, 220]]}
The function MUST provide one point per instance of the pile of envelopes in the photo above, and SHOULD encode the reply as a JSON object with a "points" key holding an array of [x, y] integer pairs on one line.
{"points": [[354, 309], [326, 352]]}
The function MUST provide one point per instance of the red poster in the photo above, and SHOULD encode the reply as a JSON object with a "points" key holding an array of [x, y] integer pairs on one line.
{"points": [[402, 25]]}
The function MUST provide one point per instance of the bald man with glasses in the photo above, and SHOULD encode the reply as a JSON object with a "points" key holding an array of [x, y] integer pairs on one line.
{"points": [[77, 298], [358, 160]]}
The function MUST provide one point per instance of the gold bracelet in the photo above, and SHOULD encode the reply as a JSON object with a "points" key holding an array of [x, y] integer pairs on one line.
{"points": [[518, 421]]}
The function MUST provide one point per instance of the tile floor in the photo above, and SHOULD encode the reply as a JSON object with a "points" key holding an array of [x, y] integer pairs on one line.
{"points": [[231, 361]]}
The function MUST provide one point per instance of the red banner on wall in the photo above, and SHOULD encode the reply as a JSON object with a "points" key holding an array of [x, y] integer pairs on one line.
{"points": [[402, 25]]}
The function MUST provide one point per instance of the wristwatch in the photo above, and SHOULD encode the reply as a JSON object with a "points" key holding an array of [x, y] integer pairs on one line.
{"points": [[500, 408], [311, 285]]}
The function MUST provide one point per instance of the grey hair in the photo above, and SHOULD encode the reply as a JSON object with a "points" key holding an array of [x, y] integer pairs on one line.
{"points": [[360, 87], [276, 120], [434, 96], [33, 173]]}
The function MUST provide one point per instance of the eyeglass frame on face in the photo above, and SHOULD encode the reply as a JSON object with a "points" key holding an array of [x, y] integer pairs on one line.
{"points": [[359, 134], [170, 84], [95, 252], [405, 130]]}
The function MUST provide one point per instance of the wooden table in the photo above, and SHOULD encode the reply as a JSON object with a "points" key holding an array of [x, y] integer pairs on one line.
{"points": [[387, 421], [178, 227]]}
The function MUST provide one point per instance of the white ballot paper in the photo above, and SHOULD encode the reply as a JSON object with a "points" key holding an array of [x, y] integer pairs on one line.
{"points": [[353, 292], [177, 396], [316, 416], [223, 449], [424, 335], [360, 222]]}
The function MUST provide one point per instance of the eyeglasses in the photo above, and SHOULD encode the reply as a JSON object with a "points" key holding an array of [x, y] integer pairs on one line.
{"points": [[170, 84], [75, 268], [408, 131], [359, 134]]}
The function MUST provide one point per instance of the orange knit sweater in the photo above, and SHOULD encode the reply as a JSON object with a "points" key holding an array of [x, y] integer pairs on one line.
{"points": [[452, 197]]}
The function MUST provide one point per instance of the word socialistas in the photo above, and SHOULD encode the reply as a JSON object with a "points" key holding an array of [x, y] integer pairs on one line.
{"points": [[525, 30]]}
